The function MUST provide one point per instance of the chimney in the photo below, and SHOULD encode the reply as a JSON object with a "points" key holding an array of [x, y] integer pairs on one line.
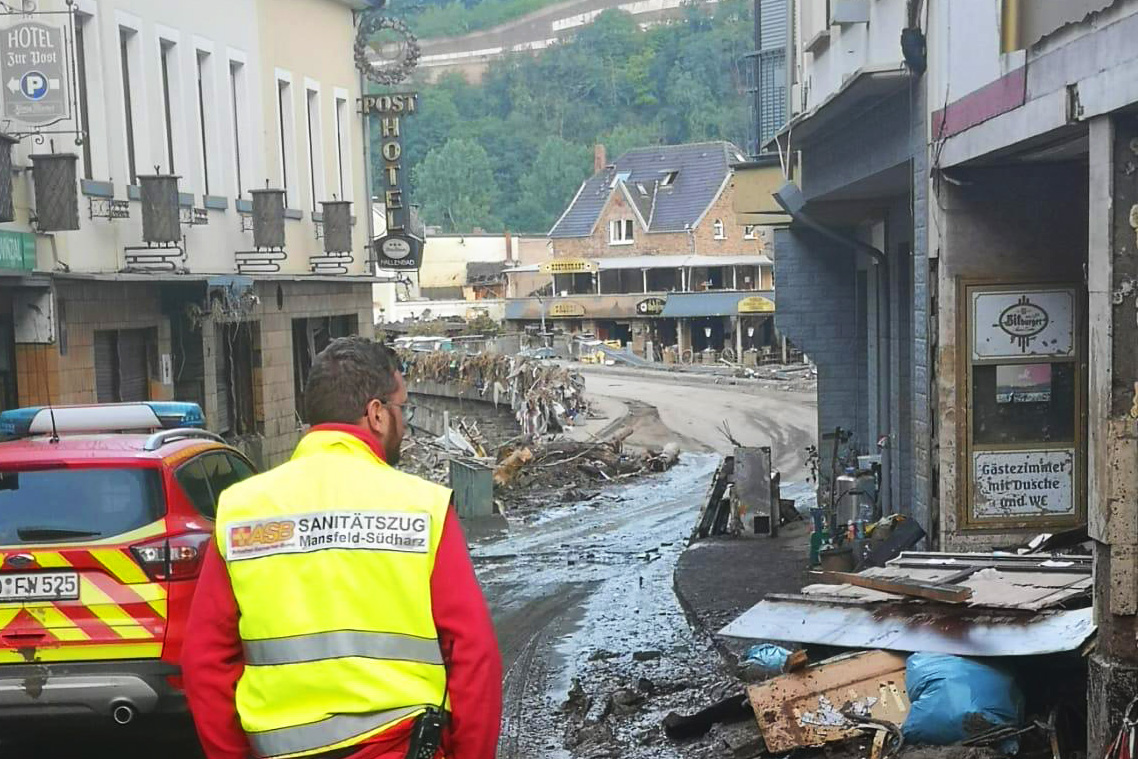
{"points": [[509, 246], [600, 160]]}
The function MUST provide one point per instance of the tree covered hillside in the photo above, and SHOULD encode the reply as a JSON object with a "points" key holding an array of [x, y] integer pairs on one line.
{"points": [[511, 152], [449, 18]]}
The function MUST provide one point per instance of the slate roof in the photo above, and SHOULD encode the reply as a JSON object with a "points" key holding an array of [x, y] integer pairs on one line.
{"points": [[701, 169]]}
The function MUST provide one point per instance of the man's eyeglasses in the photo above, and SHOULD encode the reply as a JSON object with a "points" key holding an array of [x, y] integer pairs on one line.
{"points": [[406, 408]]}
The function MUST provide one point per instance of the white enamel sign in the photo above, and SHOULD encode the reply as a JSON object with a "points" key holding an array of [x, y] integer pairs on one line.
{"points": [[1014, 484], [1023, 324]]}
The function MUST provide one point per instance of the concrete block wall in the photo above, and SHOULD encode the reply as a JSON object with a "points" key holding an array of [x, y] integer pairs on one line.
{"points": [[274, 388], [817, 310], [923, 507]]}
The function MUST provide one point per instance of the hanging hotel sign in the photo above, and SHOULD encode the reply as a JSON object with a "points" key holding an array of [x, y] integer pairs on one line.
{"points": [[566, 310], [33, 64], [1010, 485], [400, 248], [651, 307], [756, 304], [1017, 324], [569, 266]]}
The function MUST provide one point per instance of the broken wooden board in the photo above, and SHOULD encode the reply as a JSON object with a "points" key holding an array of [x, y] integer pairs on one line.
{"points": [[901, 586], [805, 708], [1004, 586]]}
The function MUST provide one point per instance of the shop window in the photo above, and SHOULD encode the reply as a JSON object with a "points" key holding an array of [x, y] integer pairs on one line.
{"points": [[123, 364], [234, 363], [309, 337]]}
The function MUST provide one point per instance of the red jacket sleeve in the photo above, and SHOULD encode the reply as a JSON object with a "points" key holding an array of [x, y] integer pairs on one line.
{"points": [[212, 662], [470, 648]]}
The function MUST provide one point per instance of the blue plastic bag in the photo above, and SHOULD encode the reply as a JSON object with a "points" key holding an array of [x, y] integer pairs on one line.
{"points": [[770, 658], [954, 698]]}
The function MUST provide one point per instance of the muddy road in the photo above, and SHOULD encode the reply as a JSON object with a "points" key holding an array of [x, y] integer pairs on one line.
{"points": [[583, 593]]}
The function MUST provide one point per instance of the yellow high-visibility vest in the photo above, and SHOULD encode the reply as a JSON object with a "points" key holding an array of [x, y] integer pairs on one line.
{"points": [[330, 557]]}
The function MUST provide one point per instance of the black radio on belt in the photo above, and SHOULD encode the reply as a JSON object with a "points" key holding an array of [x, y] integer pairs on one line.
{"points": [[427, 735]]}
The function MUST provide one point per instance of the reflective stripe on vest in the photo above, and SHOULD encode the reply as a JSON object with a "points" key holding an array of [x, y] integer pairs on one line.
{"points": [[343, 643], [287, 741]]}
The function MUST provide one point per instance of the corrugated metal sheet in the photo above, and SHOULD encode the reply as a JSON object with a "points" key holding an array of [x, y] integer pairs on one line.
{"points": [[934, 628]]}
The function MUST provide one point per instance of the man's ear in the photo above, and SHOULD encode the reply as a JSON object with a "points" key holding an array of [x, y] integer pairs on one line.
{"points": [[377, 418]]}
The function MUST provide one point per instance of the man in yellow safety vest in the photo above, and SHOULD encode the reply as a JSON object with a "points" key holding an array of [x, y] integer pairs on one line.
{"points": [[337, 613]]}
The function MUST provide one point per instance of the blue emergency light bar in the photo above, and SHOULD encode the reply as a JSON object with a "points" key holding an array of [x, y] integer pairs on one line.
{"points": [[104, 417]]}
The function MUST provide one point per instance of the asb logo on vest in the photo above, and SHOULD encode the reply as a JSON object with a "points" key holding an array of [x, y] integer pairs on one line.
{"points": [[345, 530]]}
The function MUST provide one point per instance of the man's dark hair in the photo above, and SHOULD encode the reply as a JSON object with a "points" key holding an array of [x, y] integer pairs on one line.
{"points": [[346, 375]]}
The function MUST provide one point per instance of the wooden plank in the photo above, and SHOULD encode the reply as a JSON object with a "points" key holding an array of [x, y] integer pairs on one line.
{"points": [[928, 591]]}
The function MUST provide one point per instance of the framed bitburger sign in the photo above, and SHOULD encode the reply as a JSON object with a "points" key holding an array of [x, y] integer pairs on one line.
{"points": [[1024, 388]]}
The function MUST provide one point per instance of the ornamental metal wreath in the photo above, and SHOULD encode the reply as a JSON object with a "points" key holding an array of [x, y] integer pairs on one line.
{"points": [[392, 71]]}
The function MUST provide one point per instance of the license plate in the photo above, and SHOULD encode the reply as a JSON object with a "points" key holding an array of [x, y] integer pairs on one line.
{"points": [[39, 586]]}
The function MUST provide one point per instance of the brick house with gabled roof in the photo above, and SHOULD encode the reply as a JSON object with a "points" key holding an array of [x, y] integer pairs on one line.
{"points": [[648, 251]]}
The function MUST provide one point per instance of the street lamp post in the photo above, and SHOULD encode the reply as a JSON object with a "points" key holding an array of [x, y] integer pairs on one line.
{"points": [[541, 302]]}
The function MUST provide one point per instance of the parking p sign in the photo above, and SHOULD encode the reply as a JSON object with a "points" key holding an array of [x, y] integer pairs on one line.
{"points": [[33, 70]]}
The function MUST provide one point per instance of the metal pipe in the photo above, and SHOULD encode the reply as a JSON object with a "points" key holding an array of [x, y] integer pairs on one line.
{"points": [[123, 713], [790, 199]]}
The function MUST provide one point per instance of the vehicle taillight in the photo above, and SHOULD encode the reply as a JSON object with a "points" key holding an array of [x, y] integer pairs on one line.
{"points": [[178, 557]]}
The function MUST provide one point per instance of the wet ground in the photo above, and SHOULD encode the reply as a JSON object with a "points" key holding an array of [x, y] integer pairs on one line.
{"points": [[584, 595]]}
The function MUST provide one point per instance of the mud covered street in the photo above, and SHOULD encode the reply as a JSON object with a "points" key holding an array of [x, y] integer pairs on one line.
{"points": [[584, 594], [596, 647]]}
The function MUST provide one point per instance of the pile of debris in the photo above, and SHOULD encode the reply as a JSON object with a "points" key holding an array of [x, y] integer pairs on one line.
{"points": [[544, 397], [974, 651], [533, 473], [539, 466]]}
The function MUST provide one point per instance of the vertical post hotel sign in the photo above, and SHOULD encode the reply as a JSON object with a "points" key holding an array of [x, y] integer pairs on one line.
{"points": [[400, 248]]}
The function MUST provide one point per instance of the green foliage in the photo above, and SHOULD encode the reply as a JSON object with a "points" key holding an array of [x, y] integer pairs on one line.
{"points": [[529, 127], [456, 186], [482, 324]]}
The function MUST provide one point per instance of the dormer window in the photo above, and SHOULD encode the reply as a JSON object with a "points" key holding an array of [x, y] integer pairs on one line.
{"points": [[669, 178], [643, 190], [720, 230], [621, 231]]}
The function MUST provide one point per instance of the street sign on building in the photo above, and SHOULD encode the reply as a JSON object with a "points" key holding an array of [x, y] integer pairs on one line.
{"points": [[33, 67]]}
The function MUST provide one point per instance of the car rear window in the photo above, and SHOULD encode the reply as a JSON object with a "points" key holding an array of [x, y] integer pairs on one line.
{"points": [[62, 505]]}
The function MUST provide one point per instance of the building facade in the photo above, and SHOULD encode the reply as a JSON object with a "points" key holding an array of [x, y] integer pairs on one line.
{"points": [[1032, 144], [230, 98], [962, 199], [648, 254]]}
